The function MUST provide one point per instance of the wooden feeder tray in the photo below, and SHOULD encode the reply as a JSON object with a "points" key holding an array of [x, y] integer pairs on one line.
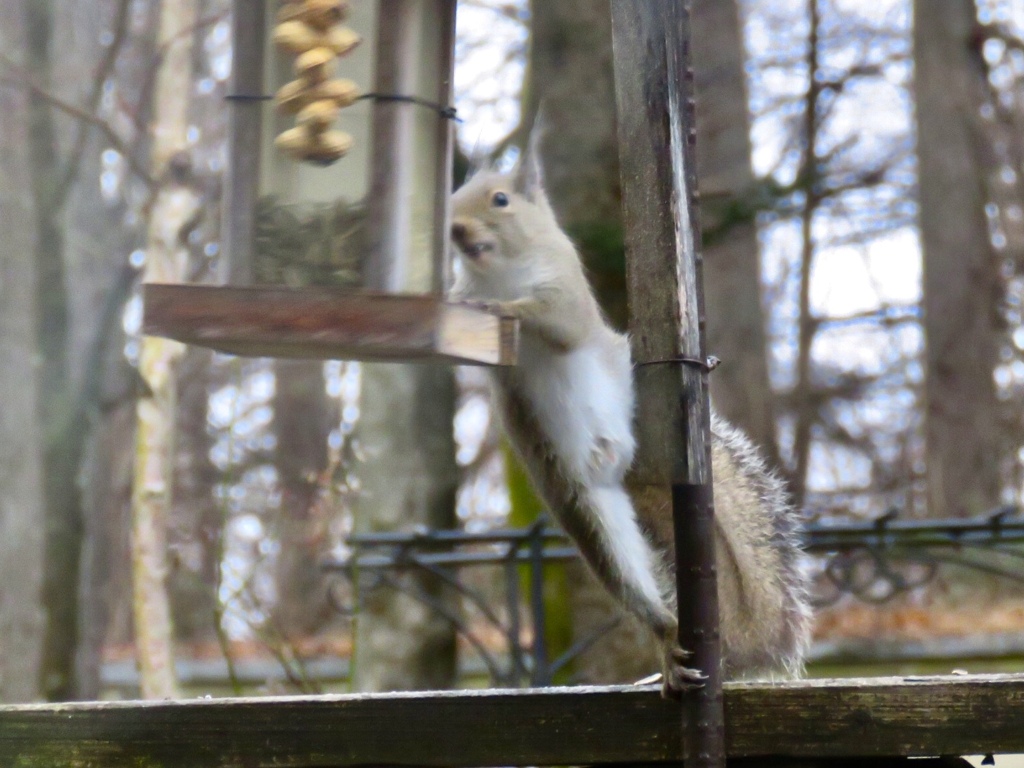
{"points": [[328, 324]]}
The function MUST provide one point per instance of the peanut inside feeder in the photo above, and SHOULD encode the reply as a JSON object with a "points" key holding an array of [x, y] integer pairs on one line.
{"points": [[311, 31]]}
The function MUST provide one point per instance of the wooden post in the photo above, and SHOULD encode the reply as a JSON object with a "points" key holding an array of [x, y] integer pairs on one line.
{"points": [[445, 147], [654, 90], [241, 187]]}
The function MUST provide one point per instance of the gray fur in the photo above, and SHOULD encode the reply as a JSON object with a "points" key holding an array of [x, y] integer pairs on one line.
{"points": [[787, 655], [575, 439]]}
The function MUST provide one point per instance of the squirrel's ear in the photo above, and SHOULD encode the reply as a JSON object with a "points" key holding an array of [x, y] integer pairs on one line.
{"points": [[529, 173], [476, 163]]}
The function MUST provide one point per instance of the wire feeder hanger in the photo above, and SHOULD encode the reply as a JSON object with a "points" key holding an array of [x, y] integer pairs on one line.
{"points": [[313, 32]]}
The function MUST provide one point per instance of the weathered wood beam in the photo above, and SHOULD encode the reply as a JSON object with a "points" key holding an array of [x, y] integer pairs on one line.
{"points": [[551, 726], [328, 324]]}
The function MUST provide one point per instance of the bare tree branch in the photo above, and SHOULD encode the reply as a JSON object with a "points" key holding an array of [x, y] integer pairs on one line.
{"points": [[21, 79]]}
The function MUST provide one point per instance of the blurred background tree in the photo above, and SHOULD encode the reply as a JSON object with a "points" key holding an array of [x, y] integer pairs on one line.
{"points": [[22, 559]]}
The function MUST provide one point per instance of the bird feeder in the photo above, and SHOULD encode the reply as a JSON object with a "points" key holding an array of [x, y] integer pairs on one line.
{"points": [[336, 205]]}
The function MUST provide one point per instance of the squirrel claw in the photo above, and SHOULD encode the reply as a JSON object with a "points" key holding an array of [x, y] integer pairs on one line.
{"points": [[680, 654], [679, 678], [682, 680]]}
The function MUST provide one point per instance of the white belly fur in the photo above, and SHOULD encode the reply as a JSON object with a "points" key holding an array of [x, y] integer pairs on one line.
{"points": [[583, 401]]}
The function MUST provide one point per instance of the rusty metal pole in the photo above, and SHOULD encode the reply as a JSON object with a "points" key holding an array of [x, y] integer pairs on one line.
{"points": [[654, 94]]}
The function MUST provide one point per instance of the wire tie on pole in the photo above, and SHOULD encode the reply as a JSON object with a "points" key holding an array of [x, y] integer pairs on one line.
{"points": [[709, 364]]}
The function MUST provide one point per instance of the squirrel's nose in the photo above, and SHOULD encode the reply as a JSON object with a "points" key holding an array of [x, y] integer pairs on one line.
{"points": [[458, 232]]}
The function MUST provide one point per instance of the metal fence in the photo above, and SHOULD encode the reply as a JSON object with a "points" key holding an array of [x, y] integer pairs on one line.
{"points": [[873, 561]]}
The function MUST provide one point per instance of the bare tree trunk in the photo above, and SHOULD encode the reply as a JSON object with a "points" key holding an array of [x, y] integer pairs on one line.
{"points": [[104, 476], [21, 493], [97, 285], [174, 207], [113, 46], [571, 73], [104, 591], [195, 515], [107, 550], [79, 254], [410, 476], [302, 423], [62, 428], [809, 171], [409, 480], [962, 288], [740, 388]]}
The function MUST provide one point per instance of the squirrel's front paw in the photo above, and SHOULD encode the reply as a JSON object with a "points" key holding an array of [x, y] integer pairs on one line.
{"points": [[677, 677], [493, 306]]}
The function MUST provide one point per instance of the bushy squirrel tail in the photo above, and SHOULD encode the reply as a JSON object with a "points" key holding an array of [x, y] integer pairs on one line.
{"points": [[768, 630]]}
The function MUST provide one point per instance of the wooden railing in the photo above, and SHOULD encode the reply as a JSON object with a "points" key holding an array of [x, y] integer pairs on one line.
{"points": [[803, 722]]}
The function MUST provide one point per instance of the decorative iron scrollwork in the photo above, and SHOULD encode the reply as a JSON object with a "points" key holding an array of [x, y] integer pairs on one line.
{"points": [[872, 561]]}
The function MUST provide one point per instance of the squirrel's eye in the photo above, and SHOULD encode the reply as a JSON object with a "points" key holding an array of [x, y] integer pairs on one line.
{"points": [[500, 200]]}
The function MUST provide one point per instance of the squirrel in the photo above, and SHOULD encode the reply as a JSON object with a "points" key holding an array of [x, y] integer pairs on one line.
{"points": [[567, 410]]}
